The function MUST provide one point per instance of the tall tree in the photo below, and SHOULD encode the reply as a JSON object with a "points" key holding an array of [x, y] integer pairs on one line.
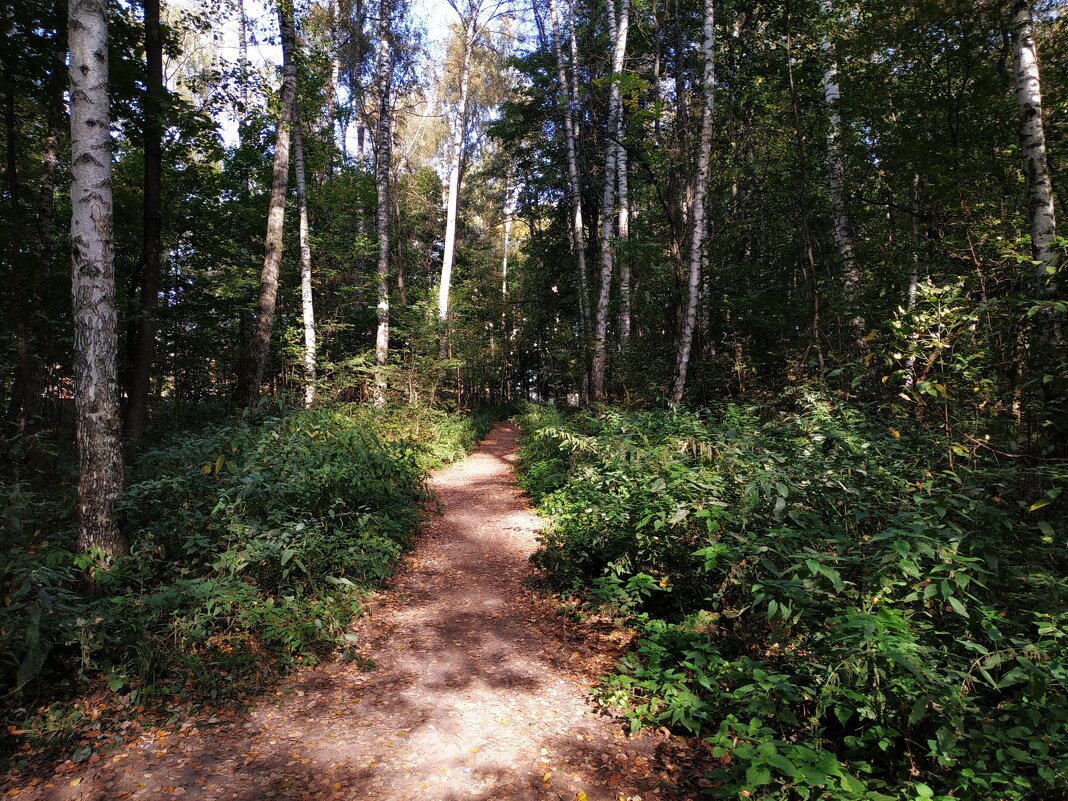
{"points": [[700, 190], [1041, 216], [259, 348], [148, 265], [469, 24], [836, 177], [307, 304], [383, 159], [571, 135], [617, 35], [100, 476]]}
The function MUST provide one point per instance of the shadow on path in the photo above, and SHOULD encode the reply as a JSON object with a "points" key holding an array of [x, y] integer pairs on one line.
{"points": [[467, 698]]}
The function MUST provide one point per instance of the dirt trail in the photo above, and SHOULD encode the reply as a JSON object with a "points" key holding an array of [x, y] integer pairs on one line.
{"points": [[474, 691]]}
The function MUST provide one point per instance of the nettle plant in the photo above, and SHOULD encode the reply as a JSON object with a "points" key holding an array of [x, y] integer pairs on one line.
{"points": [[820, 595]]}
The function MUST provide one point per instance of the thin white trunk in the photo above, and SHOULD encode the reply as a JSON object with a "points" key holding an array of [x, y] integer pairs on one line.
{"points": [[843, 230], [1043, 221], [698, 193], [452, 203], [335, 73], [623, 232], [242, 57], [508, 213], [577, 232], [306, 304], [96, 401], [617, 34], [384, 150], [623, 223]]}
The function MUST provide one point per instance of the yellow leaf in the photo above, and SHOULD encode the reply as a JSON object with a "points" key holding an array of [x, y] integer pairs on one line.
{"points": [[581, 796]]}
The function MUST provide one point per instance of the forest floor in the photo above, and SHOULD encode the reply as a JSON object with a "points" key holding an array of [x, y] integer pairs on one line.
{"points": [[468, 684]]}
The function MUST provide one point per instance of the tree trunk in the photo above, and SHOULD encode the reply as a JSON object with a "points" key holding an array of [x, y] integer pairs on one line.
{"points": [[382, 164], [149, 262], [242, 58], [700, 190], [623, 222], [578, 232], [617, 33], [96, 400], [623, 233], [843, 230], [331, 86], [505, 343], [469, 26], [260, 346], [306, 302], [1041, 217]]}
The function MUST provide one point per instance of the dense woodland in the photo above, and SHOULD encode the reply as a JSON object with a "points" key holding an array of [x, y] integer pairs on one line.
{"points": [[774, 288]]}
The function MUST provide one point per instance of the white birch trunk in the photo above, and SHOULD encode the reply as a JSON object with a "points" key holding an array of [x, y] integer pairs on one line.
{"points": [[331, 87], [623, 223], [623, 234], [617, 33], [700, 190], [508, 213], [452, 203], [843, 230], [577, 231], [96, 401], [306, 302], [382, 164], [1041, 217], [242, 57]]}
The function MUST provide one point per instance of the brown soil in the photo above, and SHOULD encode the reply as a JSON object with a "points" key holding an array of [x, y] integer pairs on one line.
{"points": [[477, 689]]}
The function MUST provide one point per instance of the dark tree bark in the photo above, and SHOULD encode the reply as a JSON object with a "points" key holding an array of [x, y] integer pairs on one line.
{"points": [[149, 263], [259, 348]]}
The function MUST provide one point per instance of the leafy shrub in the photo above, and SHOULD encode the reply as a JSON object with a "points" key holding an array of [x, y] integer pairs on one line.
{"points": [[251, 544], [837, 610]]}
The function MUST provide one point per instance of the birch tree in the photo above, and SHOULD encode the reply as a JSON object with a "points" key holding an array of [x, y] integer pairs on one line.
{"points": [[469, 24], [383, 146], [843, 230], [1041, 217], [259, 349], [617, 34], [100, 474], [699, 192], [307, 304], [577, 230]]}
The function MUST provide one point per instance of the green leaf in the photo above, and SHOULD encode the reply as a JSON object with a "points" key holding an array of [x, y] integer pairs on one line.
{"points": [[851, 784], [783, 765], [757, 776], [958, 607]]}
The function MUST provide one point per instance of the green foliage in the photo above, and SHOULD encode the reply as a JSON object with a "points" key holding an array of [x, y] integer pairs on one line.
{"points": [[251, 545], [840, 612]]}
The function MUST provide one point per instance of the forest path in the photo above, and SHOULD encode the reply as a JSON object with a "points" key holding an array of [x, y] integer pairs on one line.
{"points": [[478, 689]]}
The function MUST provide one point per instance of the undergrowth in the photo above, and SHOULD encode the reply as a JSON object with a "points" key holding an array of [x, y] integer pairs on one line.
{"points": [[251, 544], [839, 611]]}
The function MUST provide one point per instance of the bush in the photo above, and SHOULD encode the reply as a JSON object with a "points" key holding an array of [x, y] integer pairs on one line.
{"points": [[840, 612], [251, 545]]}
